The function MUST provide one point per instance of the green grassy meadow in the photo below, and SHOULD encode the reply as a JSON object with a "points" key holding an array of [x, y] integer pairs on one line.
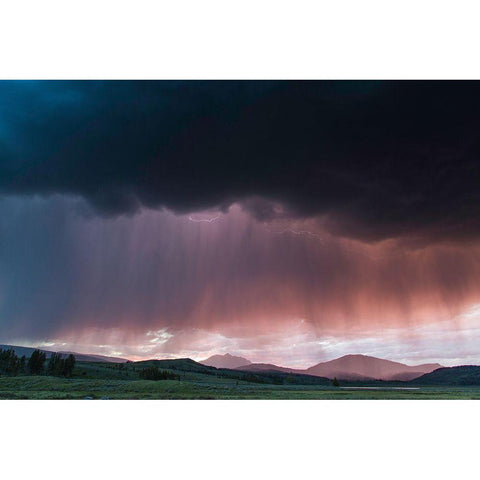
{"points": [[121, 381]]}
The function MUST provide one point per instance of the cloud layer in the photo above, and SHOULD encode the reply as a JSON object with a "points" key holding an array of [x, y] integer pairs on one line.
{"points": [[375, 160]]}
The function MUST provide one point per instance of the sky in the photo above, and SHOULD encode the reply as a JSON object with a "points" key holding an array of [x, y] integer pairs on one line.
{"points": [[289, 222]]}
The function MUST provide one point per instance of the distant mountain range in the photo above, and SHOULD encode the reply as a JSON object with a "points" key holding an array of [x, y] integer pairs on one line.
{"points": [[81, 357], [348, 367]]}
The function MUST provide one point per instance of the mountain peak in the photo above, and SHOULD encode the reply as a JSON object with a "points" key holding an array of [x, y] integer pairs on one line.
{"points": [[225, 361], [354, 355]]}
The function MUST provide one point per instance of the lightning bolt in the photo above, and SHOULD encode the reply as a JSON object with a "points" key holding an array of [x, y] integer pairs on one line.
{"points": [[204, 220]]}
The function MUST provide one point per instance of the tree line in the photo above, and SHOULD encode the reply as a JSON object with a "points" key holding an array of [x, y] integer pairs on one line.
{"points": [[154, 373], [11, 365]]}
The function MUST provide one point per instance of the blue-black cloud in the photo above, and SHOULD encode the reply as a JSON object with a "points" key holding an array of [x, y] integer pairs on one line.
{"points": [[379, 159]]}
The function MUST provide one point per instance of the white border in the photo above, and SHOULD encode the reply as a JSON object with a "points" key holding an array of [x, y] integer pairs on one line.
{"points": [[248, 39], [185, 39], [239, 439]]}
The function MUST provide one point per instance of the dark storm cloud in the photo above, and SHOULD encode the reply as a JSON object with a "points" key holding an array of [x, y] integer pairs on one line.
{"points": [[374, 159]]}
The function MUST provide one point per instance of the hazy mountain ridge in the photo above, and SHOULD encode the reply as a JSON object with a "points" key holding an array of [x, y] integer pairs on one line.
{"points": [[81, 357]]}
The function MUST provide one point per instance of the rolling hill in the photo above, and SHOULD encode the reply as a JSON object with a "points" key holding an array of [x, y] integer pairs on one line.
{"points": [[462, 375], [266, 367], [199, 371]]}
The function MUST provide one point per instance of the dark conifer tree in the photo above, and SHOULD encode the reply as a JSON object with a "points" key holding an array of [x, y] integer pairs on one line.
{"points": [[69, 364], [55, 366], [36, 362], [9, 363], [22, 367]]}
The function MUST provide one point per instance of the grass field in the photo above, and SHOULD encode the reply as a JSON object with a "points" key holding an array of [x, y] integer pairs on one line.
{"points": [[113, 381]]}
